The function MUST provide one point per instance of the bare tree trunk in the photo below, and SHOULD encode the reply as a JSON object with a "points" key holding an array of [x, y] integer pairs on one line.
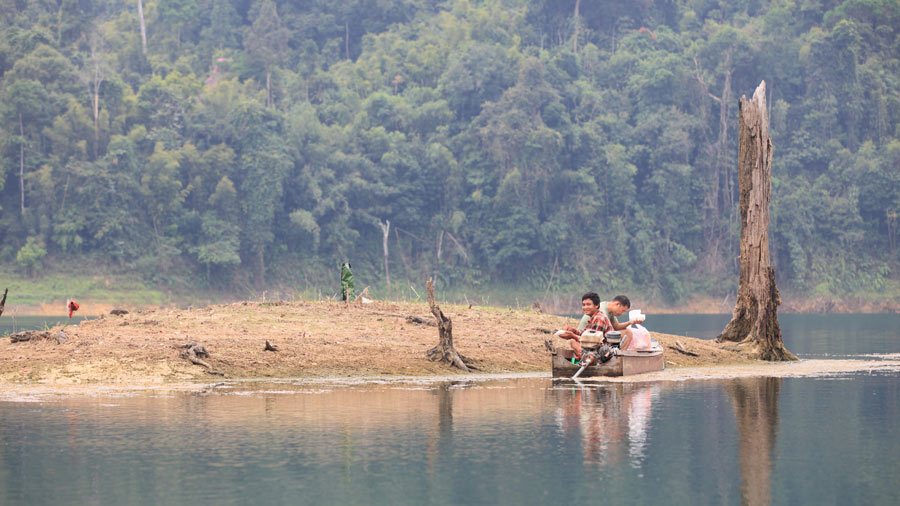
{"points": [[438, 252], [576, 22], [3, 300], [268, 87], [444, 351], [97, 81], [755, 317], [717, 197], [403, 257], [62, 206], [385, 231], [22, 163], [347, 39], [261, 267], [143, 27]]}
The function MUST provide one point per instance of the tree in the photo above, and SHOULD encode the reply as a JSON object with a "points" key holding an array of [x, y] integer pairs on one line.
{"points": [[31, 255], [24, 103], [386, 233], [755, 317], [266, 40], [140, 9]]}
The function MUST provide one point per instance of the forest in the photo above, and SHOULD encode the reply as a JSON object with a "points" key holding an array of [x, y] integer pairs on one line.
{"points": [[546, 146]]}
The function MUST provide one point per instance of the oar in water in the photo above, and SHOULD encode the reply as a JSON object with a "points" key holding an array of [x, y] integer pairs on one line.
{"points": [[588, 359]]}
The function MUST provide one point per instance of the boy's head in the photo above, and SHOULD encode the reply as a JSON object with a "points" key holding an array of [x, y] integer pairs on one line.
{"points": [[589, 303], [618, 305]]}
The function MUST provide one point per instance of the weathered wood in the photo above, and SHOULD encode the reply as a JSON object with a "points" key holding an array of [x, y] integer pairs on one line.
{"points": [[755, 317], [193, 352], [38, 335], [3, 300], [28, 335], [625, 363], [420, 321], [681, 349], [385, 232], [140, 7], [444, 351]]}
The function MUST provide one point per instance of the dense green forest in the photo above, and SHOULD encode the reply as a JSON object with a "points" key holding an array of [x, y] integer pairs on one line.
{"points": [[545, 145]]}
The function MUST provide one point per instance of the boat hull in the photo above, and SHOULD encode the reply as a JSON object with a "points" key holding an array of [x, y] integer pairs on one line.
{"points": [[626, 363]]}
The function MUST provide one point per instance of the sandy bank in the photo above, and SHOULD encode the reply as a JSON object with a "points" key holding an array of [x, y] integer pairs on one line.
{"points": [[324, 339]]}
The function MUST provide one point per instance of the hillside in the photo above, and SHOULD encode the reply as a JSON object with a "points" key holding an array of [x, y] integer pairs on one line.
{"points": [[242, 146]]}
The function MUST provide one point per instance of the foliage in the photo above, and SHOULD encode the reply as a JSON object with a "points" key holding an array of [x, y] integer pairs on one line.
{"points": [[31, 255], [260, 143]]}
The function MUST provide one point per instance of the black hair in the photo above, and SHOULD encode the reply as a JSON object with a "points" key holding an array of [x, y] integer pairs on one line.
{"points": [[621, 299], [593, 296]]}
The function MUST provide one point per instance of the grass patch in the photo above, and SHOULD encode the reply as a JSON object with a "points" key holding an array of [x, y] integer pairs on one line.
{"points": [[55, 287]]}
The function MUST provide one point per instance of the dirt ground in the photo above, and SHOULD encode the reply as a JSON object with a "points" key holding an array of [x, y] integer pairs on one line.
{"points": [[314, 339]]}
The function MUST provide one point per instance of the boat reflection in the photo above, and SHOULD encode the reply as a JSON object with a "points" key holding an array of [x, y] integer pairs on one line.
{"points": [[606, 416], [613, 423]]}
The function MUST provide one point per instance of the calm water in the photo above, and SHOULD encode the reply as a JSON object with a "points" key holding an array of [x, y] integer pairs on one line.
{"points": [[10, 324], [827, 440]]}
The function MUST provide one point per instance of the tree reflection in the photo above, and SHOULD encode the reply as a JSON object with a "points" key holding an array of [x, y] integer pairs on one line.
{"points": [[756, 411]]}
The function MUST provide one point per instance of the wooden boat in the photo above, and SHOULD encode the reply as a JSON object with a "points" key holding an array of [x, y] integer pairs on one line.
{"points": [[625, 363]]}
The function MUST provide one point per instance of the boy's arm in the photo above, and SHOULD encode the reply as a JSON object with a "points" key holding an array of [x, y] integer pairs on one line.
{"points": [[621, 326]]}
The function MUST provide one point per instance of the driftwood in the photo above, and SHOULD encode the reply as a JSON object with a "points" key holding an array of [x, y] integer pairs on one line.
{"points": [[444, 351], [37, 335], [194, 352], [548, 343], [755, 317], [270, 347], [3, 300], [409, 318], [28, 335], [680, 349], [118, 312], [420, 321], [363, 294]]}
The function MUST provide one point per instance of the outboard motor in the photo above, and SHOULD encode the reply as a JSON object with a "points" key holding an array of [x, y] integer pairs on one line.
{"points": [[614, 338], [594, 349]]}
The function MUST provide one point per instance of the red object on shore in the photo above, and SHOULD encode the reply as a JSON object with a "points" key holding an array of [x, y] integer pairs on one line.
{"points": [[73, 306]]}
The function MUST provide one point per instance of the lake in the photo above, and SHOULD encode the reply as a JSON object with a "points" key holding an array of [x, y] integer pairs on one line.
{"points": [[831, 439], [10, 324]]}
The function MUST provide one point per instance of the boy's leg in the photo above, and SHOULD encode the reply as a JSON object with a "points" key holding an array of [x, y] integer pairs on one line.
{"points": [[626, 340]]}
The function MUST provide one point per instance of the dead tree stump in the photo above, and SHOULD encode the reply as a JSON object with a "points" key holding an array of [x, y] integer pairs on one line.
{"points": [[754, 321], [193, 353], [444, 351]]}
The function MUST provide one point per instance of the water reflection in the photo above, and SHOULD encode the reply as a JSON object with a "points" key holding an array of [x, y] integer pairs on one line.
{"points": [[527, 441], [611, 421], [756, 412]]}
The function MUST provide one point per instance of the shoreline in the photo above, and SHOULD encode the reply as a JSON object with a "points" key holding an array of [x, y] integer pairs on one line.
{"points": [[91, 307], [37, 392], [314, 341]]}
